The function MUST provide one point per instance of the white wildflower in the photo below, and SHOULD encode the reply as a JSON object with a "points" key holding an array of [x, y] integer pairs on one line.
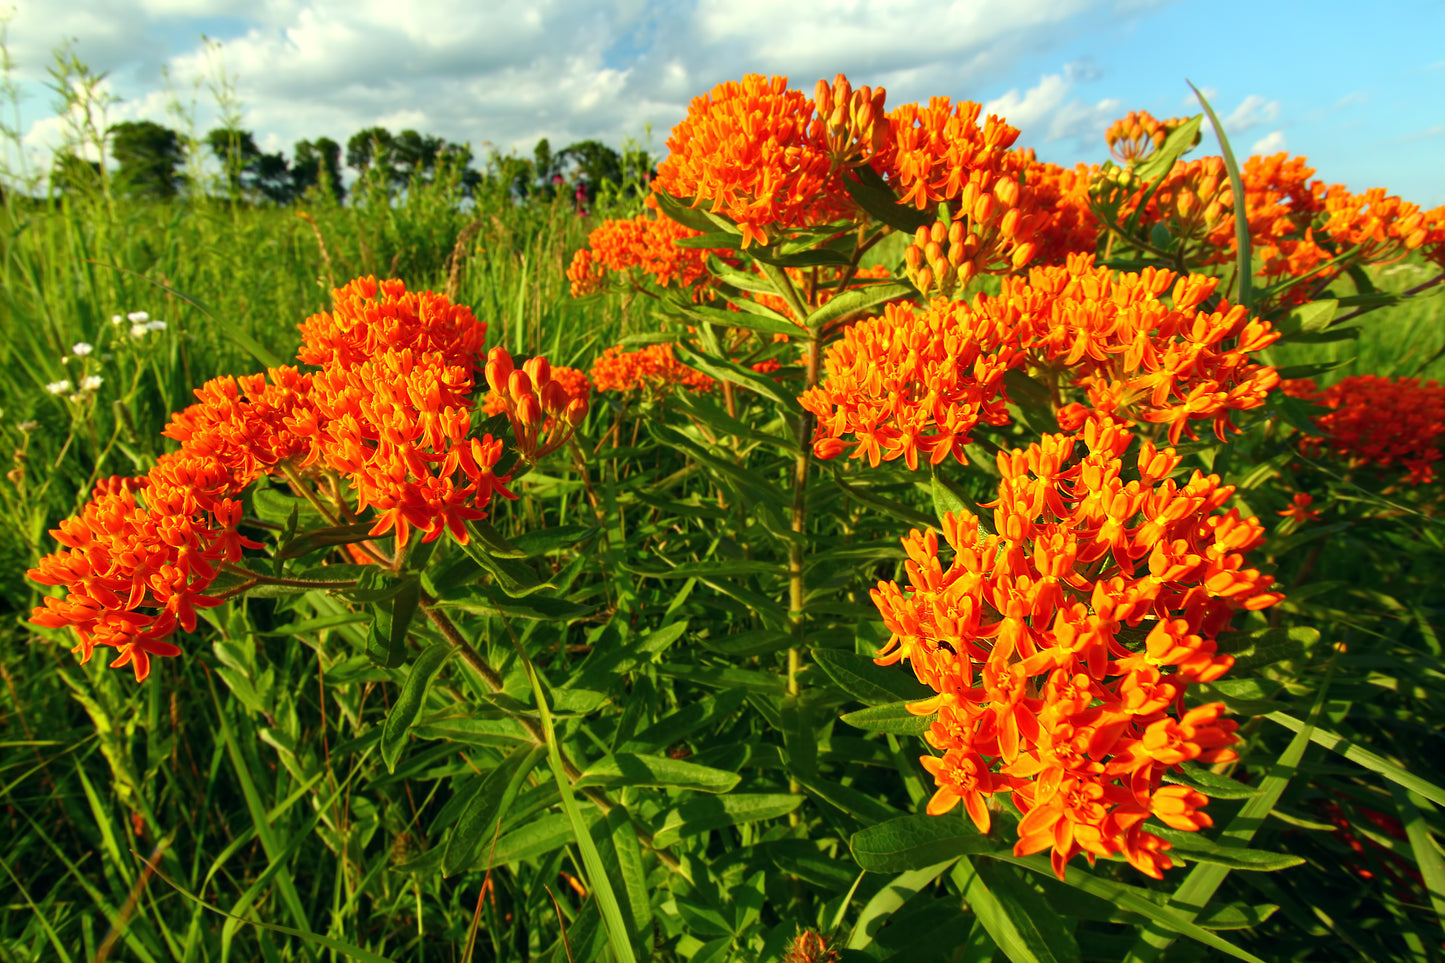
{"points": [[138, 317], [90, 382], [117, 319], [60, 387], [156, 325], [81, 349], [139, 330]]}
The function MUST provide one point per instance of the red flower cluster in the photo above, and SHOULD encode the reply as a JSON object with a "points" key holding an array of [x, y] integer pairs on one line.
{"points": [[1379, 422], [652, 370], [389, 411], [908, 383], [1062, 646]]}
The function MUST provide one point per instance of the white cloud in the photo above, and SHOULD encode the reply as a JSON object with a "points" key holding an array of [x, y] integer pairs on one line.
{"points": [[1253, 111], [1044, 113], [1271, 143]]}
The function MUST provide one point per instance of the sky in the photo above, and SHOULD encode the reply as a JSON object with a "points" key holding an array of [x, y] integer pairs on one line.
{"points": [[1359, 90]]}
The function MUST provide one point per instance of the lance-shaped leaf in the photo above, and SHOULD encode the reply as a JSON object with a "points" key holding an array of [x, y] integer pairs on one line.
{"points": [[916, 841], [866, 681], [410, 700], [469, 844], [663, 772], [392, 619]]}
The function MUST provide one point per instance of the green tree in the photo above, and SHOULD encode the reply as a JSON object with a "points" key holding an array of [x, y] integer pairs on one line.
{"points": [[148, 157], [317, 164]]}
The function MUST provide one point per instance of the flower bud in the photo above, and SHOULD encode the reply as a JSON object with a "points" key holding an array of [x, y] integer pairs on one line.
{"points": [[499, 368], [554, 398], [539, 370], [529, 411], [519, 386], [575, 412]]}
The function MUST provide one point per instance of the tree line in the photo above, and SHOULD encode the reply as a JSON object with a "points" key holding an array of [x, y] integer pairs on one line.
{"points": [[149, 162]]}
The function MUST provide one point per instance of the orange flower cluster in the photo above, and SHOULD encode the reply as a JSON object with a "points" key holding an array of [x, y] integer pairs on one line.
{"points": [[1136, 135], [651, 370], [1134, 354], [646, 244], [909, 383], [389, 411], [1061, 647], [370, 317], [139, 557], [748, 150], [1379, 422], [544, 404], [1296, 224]]}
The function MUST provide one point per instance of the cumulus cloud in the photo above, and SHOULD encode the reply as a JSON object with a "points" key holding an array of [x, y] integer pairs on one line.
{"points": [[508, 74], [1046, 113], [1271, 143]]}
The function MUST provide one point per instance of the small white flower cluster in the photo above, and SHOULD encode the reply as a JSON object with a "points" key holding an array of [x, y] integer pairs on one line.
{"points": [[140, 323]]}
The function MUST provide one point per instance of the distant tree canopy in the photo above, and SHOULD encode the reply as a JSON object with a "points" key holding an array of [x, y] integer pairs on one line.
{"points": [[248, 170], [317, 164], [148, 158], [393, 161]]}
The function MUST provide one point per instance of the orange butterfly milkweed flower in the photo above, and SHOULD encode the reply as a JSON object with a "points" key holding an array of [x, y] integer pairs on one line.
{"points": [[1061, 646]]}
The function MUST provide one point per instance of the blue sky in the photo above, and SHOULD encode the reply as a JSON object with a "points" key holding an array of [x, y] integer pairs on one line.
{"points": [[1360, 91]]}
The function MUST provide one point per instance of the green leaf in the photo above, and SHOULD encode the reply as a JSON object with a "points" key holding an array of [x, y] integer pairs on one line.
{"points": [[719, 812], [877, 912], [1363, 757], [535, 837], [1211, 784], [469, 843], [1201, 849], [1312, 317], [1244, 260], [949, 498], [893, 717], [1262, 647], [868, 682], [872, 194], [683, 211], [915, 841], [387, 644], [1020, 920], [1427, 854], [409, 702], [554, 539], [635, 769], [857, 300], [725, 370]]}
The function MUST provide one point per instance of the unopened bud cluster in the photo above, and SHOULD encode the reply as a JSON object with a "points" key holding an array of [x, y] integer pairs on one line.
{"points": [[993, 234], [850, 124], [542, 409]]}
